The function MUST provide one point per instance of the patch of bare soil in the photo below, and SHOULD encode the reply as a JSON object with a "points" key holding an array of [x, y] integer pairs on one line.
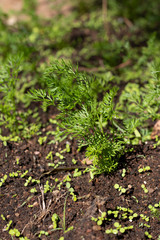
{"points": [[32, 212]]}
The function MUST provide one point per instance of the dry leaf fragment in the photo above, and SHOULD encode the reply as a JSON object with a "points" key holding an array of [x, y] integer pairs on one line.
{"points": [[156, 130]]}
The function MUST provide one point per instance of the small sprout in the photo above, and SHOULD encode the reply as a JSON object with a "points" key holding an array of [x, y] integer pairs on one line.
{"points": [[77, 173], [118, 228], [42, 233], [100, 219], [59, 155], [68, 185], [148, 235], [68, 147], [123, 172], [2, 180], [144, 188], [120, 188], [55, 220], [3, 217], [33, 190], [115, 213], [69, 229], [46, 187], [117, 225], [155, 212], [14, 232], [28, 181], [24, 174], [135, 199], [14, 174], [144, 217], [50, 156], [146, 225], [30, 206], [42, 140], [144, 169], [8, 225], [116, 186], [157, 205], [74, 161], [17, 160], [35, 181]]}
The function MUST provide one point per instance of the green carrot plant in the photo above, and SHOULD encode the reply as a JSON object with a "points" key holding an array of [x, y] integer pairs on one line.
{"points": [[102, 126], [93, 122]]}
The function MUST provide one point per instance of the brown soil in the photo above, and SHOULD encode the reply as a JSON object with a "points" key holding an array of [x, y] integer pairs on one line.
{"points": [[93, 197]]}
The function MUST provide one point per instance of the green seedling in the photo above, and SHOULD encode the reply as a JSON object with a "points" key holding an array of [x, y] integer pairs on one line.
{"points": [[144, 169], [24, 174], [135, 215], [55, 165], [120, 188], [114, 212], [67, 149], [157, 205], [100, 219], [42, 232], [50, 156], [14, 232], [144, 188], [71, 190], [55, 220], [46, 187], [2, 180], [14, 174], [17, 160], [125, 209], [155, 212], [144, 217], [74, 161], [77, 173], [123, 172], [118, 229], [59, 155], [144, 225], [3, 217], [28, 181], [148, 235], [8, 225], [135, 199], [42, 140], [66, 179], [33, 190]]}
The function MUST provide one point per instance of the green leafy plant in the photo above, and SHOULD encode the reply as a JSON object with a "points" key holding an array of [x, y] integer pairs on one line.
{"points": [[12, 119], [93, 122]]}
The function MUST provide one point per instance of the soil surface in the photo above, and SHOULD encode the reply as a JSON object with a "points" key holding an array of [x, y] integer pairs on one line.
{"points": [[31, 212]]}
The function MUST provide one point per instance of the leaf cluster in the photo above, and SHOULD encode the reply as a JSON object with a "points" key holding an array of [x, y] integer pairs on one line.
{"points": [[85, 112]]}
